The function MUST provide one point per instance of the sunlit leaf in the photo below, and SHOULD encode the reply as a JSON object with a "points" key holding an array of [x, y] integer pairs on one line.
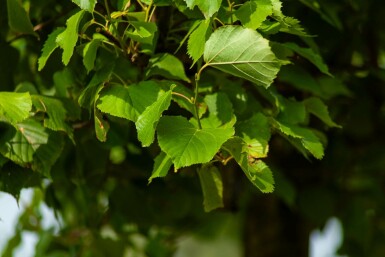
{"points": [[197, 39], [87, 5], [208, 8], [68, 38], [14, 107], [49, 46], [243, 53], [256, 170], [187, 145]]}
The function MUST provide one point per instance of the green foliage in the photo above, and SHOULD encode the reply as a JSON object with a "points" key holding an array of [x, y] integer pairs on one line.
{"points": [[213, 89], [243, 53]]}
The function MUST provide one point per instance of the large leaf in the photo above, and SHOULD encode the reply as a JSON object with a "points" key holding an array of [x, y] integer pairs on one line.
{"points": [[18, 19], [49, 46], [128, 102], [256, 170], [187, 145], [255, 132], [87, 5], [253, 13], [68, 38], [168, 66], [212, 187], [147, 121], [14, 107], [196, 41], [161, 166], [243, 53], [208, 8]]}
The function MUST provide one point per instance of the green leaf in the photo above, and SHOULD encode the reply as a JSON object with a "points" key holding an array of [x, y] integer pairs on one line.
{"points": [[255, 132], [161, 166], [316, 107], [19, 145], [253, 13], [212, 187], [243, 53], [18, 19], [14, 107], [68, 38], [144, 32], [208, 8], [197, 40], [220, 108], [101, 126], [87, 5], [89, 53], [168, 66], [56, 113], [49, 46], [31, 145], [256, 171], [187, 145], [310, 55], [147, 121], [90, 94], [308, 139], [287, 24], [291, 111], [128, 102]]}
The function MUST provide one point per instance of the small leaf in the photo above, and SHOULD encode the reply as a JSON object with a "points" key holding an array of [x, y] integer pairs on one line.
{"points": [[90, 94], [310, 55], [147, 121], [128, 102], [89, 53], [18, 19], [87, 5], [56, 113], [316, 107], [168, 66], [208, 8], [255, 132], [14, 107], [197, 40], [253, 13], [243, 53], [187, 145], [212, 187], [68, 38], [307, 137], [161, 166], [144, 32], [101, 126], [256, 171], [49, 46]]}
